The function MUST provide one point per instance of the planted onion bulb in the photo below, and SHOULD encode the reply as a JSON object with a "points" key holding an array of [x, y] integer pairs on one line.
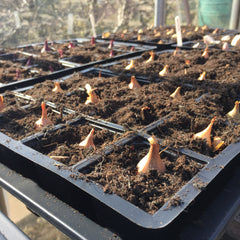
{"points": [[176, 52], [146, 114], [110, 46], [208, 39], [104, 35], [236, 41], [151, 58], [164, 72], [93, 41], [217, 143], [225, 46], [57, 87], [234, 113], [45, 48], [130, 65], [134, 83], [202, 76], [60, 51], [152, 160], [170, 31], [196, 29], [206, 133], [205, 27], [176, 94], [1, 103], [44, 120], [93, 97], [226, 38], [18, 73], [111, 53], [205, 53], [88, 141], [30, 61], [71, 45], [215, 31]]}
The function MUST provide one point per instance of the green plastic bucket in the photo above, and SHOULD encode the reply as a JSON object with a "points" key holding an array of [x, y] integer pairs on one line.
{"points": [[214, 13]]}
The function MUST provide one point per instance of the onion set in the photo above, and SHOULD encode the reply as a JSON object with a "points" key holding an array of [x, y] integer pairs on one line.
{"points": [[130, 65], [1, 103], [45, 48], [152, 160], [206, 133], [234, 113], [164, 72], [151, 58], [176, 94], [202, 76], [93, 97], [88, 141], [236, 41], [205, 53], [57, 87], [134, 83], [44, 120]]}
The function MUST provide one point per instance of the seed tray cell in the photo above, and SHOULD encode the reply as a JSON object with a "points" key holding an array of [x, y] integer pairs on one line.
{"points": [[10, 101], [20, 122], [18, 67], [62, 143], [117, 171]]}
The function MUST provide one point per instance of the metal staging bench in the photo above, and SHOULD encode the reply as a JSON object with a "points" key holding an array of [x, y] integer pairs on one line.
{"points": [[210, 224], [8, 230]]}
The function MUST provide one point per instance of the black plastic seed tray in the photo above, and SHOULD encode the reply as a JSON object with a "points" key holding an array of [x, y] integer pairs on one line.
{"points": [[142, 80], [110, 210]]}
